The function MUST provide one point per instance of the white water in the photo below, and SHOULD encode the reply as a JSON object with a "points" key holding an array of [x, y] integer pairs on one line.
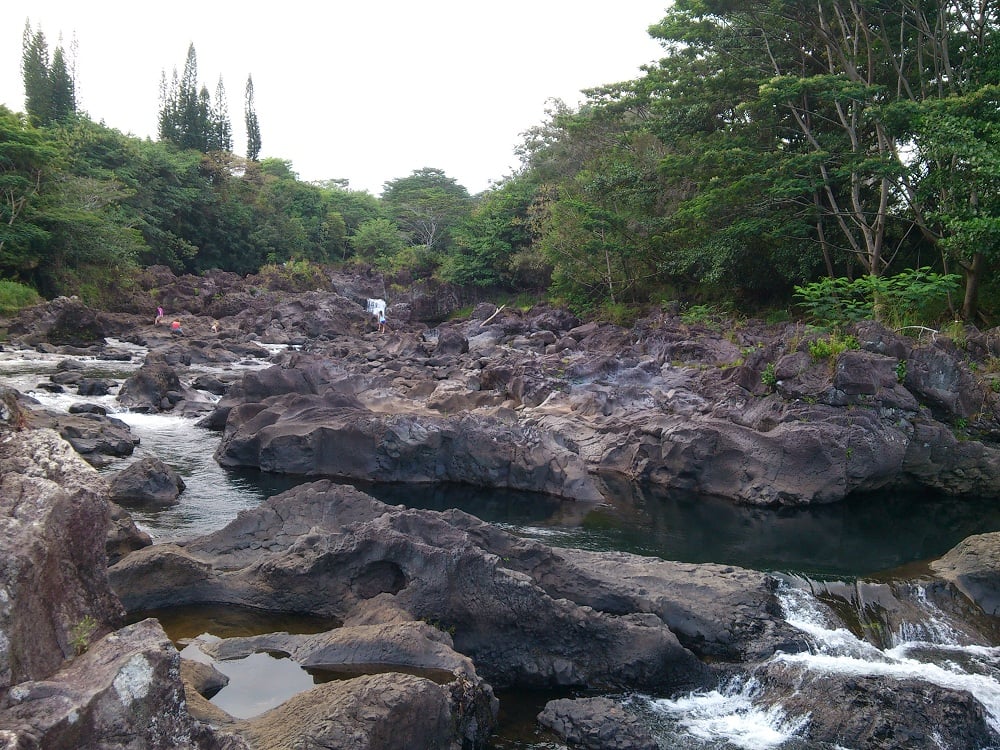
{"points": [[946, 663], [728, 717], [732, 716]]}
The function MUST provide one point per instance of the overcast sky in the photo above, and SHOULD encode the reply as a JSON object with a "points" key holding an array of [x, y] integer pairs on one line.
{"points": [[367, 90]]}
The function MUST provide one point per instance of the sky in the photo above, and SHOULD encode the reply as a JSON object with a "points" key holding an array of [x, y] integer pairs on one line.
{"points": [[366, 90]]}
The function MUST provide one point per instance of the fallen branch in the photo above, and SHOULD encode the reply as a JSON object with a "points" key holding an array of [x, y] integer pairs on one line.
{"points": [[493, 315]]}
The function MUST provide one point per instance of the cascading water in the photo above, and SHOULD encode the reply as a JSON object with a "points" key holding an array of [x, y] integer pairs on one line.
{"points": [[933, 650]]}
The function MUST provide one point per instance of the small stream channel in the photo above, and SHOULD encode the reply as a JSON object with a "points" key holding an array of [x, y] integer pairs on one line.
{"points": [[882, 537]]}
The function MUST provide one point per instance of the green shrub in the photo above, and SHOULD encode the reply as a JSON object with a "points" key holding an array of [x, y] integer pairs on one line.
{"points": [[419, 261], [697, 314], [81, 633], [15, 296], [911, 297], [293, 276], [768, 377], [829, 347], [619, 313]]}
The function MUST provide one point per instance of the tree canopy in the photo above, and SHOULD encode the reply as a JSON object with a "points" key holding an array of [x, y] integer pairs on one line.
{"points": [[775, 144]]}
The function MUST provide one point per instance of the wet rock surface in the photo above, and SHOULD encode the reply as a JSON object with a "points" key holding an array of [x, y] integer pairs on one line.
{"points": [[974, 568], [533, 399], [147, 482], [556, 399], [331, 550], [596, 724]]}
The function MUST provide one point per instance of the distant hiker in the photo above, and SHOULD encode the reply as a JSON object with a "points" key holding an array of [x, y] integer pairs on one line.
{"points": [[215, 326], [376, 308], [175, 327], [159, 316]]}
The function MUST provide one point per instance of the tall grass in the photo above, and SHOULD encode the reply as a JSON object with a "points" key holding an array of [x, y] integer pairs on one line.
{"points": [[15, 296]]}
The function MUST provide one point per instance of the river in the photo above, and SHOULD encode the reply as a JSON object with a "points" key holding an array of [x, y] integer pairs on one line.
{"points": [[840, 550]]}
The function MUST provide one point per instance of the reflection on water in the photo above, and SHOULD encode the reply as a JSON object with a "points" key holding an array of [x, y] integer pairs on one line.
{"points": [[861, 536], [857, 537], [257, 682], [230, 621]]}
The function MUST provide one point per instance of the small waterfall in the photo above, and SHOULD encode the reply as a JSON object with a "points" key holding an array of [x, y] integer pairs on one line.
{"points": [[932, 650], [726, 717], [926, 645]]}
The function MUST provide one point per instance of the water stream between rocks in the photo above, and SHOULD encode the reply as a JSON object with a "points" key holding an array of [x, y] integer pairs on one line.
{"points": [[824, 551]]}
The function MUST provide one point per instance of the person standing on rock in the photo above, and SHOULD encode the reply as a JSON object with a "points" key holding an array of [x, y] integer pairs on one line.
{"points": [[381, 321], [159, 316]]}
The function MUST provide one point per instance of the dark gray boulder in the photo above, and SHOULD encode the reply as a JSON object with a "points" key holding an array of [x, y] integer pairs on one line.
{"points": [[147, 482], [93, 435], [875, 712], [329, 436], [973, 566], [68, 678], [147, 389], [123, 535], [414, 648], [389, 711], [123, 693], [62, 321], [450, 341], [156, 387], [596, 724]]}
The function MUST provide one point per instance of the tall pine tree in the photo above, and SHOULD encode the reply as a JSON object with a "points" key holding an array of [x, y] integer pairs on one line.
{"points": [[63, 88], [253, 126], [222, 129], [49, 89], [188, 118], [35, 74]]}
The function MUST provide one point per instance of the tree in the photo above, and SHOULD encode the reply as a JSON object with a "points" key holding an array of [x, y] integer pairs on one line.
{"points": [[63, 227], [790, 143], [377, 239], [187, 117], [354, 206], [252, 124], [958, 141], [221, 128], [35, 74], [27, 163], [427, 205], [495, 235], [49, 88]]}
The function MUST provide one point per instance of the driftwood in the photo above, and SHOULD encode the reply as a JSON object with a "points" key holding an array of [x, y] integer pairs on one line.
{"points": [[497, 312]]}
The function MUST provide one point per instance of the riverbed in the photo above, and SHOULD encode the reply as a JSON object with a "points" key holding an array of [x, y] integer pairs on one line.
{"points": [[881, 537]]}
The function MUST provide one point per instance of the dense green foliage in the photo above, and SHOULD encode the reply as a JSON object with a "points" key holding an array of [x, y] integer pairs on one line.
{"points": [[777, 142], [14, 296], [905, 299], [842, 155]]}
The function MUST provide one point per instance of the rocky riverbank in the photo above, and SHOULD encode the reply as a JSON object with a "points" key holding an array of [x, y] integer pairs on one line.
{"points": [[528, 399]]}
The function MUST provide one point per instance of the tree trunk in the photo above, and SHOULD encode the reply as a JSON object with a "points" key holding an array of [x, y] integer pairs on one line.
{"points": [[973, 279]]}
